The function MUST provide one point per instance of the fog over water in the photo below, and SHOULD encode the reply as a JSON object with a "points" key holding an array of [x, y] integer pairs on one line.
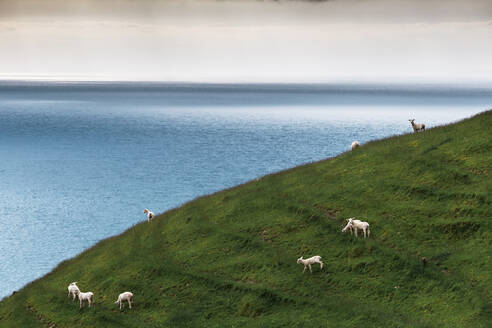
{"points": [[247, 41]]}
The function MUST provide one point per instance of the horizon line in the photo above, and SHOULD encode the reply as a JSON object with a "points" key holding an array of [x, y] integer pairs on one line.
{"points": [[341, 82]]}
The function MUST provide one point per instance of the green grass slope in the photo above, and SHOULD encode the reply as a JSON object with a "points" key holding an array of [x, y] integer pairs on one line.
{"points": [[229, 259]]}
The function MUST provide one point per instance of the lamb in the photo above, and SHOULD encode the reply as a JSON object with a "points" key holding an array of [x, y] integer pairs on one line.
{"points": [[356, 225], [417, 127], [309, 261], [354, 145], [150, 215], [88, 296], [351, 227], [73, 290], [126, 296]]}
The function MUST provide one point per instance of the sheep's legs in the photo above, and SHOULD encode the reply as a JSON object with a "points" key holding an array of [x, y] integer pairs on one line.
{"points": [[310, 268], [304, 269], [129, 304], [321, 265]]}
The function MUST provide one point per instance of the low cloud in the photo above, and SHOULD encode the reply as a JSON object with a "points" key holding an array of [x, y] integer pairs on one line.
{"points": [[247, 40]]}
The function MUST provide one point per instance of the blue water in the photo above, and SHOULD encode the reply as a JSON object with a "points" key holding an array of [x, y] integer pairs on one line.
{"points": [[80, 161]]}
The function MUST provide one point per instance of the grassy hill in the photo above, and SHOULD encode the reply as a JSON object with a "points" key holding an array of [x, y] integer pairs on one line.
{"points": [[229, 259]]}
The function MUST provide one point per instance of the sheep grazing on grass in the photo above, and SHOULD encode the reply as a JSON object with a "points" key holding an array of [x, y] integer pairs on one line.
{"points": [[356, 225], [150, 215], [73, 290], [354, 145], [308, 262], [417, 127], [88, 296], [351, 225], [126, 296]]}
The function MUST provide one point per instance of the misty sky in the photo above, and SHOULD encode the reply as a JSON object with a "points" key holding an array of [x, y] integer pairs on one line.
{"points": [[247, 41]]}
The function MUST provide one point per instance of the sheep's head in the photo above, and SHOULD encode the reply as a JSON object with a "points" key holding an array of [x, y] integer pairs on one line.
{"points": [[146, 211], [411, 120], [299, 260], [348, 226], [73, 283]]}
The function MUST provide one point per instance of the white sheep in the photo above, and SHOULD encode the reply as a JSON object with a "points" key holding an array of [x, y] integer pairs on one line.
{"points": [[309, 261], [350, 226], [356, 225], [88, 296], [354, 145], [73, 290], [150, 215], [126, 296], [417, 127]]}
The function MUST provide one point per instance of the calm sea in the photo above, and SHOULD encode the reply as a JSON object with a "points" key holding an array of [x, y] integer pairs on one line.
{"points": [[80, 161]]}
